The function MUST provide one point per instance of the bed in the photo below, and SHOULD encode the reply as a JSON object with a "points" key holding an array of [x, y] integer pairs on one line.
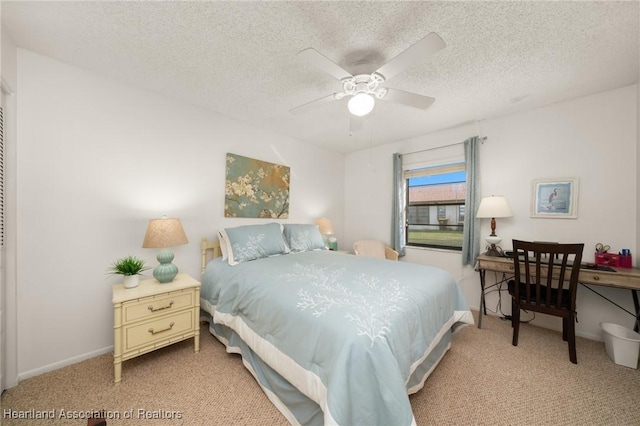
{"points": [[330, 337]]}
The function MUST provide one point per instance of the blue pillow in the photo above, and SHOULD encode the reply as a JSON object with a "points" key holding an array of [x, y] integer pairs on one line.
{"points": [[251, 242], [302, 237]]}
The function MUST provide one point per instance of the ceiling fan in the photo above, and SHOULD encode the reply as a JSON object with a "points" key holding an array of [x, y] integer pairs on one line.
{"points": [[363, 89]]}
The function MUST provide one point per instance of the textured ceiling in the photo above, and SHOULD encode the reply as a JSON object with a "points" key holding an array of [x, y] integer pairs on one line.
{"points": [[239, 58]]}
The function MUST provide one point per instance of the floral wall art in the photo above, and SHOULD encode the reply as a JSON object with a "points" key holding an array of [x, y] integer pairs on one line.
{"points": [[256, 188]]}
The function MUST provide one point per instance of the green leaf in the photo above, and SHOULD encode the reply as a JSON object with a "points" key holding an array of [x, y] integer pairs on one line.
{"points": [[129, 265]]}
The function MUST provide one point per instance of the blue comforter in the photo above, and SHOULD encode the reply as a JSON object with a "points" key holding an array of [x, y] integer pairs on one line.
{"points": [[355, 335]]}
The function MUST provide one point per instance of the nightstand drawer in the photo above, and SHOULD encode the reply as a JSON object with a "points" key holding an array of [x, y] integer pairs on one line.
{"points": [[159, 330], [151, 307]]}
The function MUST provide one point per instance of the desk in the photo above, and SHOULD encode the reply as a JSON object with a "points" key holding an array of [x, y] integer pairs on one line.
{"points": [[624, 278]]}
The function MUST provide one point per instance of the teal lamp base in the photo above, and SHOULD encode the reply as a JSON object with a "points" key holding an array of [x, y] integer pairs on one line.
{"points": [[166, 271]]}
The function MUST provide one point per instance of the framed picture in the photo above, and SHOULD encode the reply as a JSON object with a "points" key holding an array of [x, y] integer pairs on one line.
{"points": [[256, 188], [554, 198]]}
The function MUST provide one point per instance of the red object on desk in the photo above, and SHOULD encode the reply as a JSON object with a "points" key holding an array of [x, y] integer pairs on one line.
{"points": [[608, 259], [625, 261]]}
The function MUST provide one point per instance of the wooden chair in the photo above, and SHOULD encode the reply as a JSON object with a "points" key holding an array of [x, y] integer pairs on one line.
{"points": [[374, 248], [547, 277]]}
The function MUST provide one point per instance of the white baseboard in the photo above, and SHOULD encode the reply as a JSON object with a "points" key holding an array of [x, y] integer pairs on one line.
{"points": [[57, 365]]}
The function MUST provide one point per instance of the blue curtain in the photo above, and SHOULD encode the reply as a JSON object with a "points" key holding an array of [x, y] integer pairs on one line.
{"points": [[471, 232], [399, 201]]}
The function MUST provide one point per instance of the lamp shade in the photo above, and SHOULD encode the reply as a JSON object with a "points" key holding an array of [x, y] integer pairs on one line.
{"points": [[361, 104], [325, 226], [493, 206], [163, 233]]}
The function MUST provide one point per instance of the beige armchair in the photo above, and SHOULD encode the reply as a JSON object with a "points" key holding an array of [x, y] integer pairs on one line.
{"points": [[374, 248]]}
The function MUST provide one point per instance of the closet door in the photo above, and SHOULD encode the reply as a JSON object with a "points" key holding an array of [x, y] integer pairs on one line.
{"points": [[8, 287]]}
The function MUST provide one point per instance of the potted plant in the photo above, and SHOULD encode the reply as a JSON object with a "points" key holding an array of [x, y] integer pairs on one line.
{"points": [[130, 268]]}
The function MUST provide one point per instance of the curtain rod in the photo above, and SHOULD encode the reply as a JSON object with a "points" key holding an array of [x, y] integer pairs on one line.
{"points": [[481, 139]]}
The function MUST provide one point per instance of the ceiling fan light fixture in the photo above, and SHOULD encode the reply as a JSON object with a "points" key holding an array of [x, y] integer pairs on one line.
{"points": [[361, 104], [363, 89]]}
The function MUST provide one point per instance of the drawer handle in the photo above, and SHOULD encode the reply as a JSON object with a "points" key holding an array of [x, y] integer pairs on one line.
{"points": [[164, 329], [152, 309], [596, 278]]}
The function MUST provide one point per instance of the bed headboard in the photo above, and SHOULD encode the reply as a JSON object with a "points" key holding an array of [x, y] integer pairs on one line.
{"points": [[210, 250]]}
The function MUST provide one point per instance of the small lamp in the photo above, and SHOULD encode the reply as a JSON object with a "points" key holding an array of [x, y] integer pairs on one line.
{"points": [[164, 233], [326, 229], [493, 207]]}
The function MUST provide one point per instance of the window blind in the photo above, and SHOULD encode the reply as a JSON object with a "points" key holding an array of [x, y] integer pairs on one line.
{"points": [[451, 154], [435, 170]]}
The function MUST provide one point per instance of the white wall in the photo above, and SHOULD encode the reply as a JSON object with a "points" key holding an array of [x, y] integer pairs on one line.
{"points": [[592, 138], [97, 160]]}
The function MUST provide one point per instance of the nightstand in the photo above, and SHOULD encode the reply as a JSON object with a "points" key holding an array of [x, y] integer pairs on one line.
{"points": [[152, 316]]}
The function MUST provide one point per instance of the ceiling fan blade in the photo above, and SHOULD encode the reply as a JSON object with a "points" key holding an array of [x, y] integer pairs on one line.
{"points": [[419, 51], [313, 104], [408, 98], [313, 57]]}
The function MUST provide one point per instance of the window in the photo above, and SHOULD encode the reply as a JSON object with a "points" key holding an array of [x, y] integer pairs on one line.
{"points": [[435, 205]]}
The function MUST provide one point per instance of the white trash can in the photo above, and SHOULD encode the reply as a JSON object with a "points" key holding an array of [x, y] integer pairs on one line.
{"points": [[622, 344]]}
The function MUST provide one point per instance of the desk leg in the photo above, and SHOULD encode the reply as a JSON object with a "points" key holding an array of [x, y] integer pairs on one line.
{"points": [[483, 306], [637, 306]]}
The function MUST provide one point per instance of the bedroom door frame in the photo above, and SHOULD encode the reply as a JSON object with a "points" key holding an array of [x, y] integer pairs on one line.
{"points": [[3, 291], [8, 282]]}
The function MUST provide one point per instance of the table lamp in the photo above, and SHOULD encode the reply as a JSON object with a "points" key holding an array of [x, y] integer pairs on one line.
{"points": [[326, 230], [164, 233], [493, 207]]}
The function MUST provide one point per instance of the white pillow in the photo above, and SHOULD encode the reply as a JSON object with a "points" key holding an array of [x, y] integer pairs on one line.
{"points": [[223, 246]]}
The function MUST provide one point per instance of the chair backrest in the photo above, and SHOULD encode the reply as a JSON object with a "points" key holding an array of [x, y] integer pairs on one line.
{"points": [[547, 274], [370, 248]]}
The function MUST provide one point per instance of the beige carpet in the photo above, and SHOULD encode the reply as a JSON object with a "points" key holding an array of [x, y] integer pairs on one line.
{"points": [[483, 379]]}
